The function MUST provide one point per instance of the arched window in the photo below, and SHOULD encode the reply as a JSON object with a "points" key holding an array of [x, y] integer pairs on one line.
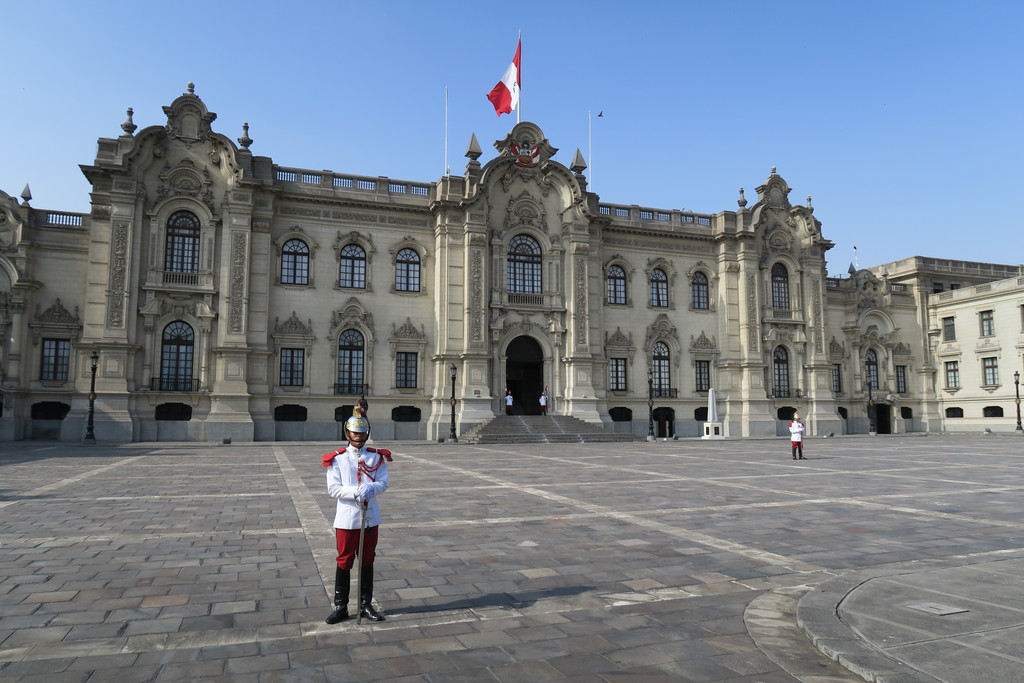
{"points": [[524, 265], [954, 412], [295, 263], [699, 291], [871, 368], [662, 381], [176, 357], [407, 271], [659, 288], [350, 363], [616, 285], [181, 252], [780, 287], [992, 411], [352, 267], [780, 367]]}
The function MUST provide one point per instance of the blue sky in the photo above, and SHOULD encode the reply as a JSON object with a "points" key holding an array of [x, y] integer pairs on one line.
{"points": [[903, 120]]}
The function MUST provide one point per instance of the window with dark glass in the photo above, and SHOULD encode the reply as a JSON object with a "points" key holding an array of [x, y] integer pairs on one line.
{"points": [[837, 379], [699, 291], [780, 287], [181, 252], [56, 356], [990, 371], [350, 363], [617, 374], [295, 263], [176, 357], [702, 370], [988, 326], [901, 379], [662, 380], [992, 411], [659, 288], [524, 265], [954, 412], [407, 271], [949, 329], [616, 285], [780, 370], [952, 374], [352, 267], [405, 370], [293, 365], [871, 368]]}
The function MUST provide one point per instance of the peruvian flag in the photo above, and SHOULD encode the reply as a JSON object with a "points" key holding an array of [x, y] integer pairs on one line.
{"points": [[505, 95]]}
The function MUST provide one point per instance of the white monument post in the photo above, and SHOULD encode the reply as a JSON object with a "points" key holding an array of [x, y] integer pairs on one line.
{"points": [[712, 428]]}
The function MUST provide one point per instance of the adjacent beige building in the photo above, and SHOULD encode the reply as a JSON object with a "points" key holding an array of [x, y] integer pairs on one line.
{"points": [[222, 295]]}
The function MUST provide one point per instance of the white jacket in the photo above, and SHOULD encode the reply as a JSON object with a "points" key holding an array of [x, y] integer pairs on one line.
{"points": [[342, 485], [796, 430]]}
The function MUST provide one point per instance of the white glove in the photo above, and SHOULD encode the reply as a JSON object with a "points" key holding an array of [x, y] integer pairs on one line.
{"points": [[365, 492]]}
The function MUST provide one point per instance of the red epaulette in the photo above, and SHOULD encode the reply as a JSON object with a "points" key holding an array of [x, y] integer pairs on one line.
{"points": [[329, 457]]}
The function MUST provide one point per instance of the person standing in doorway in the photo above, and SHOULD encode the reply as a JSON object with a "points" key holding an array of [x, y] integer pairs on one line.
{"points": [[357, 475], [796, 437], [543, 404], [508, 402]]}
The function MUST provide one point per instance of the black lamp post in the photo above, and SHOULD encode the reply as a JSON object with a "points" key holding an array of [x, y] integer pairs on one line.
{"points": [[451, 434], [90, 435], [1016, 389], [871, 410], [650, 405]]}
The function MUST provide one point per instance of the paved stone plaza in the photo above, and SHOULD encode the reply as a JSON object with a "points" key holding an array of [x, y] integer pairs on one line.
{"points": [[686, 560]]}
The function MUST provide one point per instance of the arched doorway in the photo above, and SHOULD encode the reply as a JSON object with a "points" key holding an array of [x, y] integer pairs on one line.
{"points": [[664, 423], [524, 375]]}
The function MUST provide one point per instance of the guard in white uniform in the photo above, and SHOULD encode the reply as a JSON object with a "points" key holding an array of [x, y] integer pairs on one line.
{"points": [[796, 437], [355, 477]]}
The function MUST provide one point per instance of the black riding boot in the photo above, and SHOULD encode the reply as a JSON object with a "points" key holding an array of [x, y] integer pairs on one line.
{"points": [[794, 452], [342, 584], [366, 596]]}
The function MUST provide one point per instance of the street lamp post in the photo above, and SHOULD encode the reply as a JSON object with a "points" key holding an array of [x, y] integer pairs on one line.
{"points": [[650, 405], [451, 434], [871, 411], [90, 435], [1016, 389]]}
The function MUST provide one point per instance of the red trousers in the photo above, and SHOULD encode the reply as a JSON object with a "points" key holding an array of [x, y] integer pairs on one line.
{"points": [[348, 547]]}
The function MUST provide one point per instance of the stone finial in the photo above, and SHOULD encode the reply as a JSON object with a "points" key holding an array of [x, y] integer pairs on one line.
{"points": [[245, 140], [773, 170], [129, 126], [810, 207], [579, 165], [26, 195], [742, 201], [473, 150], [191, 88]]}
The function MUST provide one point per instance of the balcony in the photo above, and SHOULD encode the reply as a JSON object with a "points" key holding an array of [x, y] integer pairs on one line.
{"points": [[184, 384], [350, 389], [665, 392], [176, 280], [785, 393]]}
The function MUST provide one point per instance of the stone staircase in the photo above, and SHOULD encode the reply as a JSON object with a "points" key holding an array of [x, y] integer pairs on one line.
{"points": [[508, 429]]}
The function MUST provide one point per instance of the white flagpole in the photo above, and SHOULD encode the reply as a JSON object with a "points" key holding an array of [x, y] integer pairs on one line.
{"points": [[447, 169], [590, 149], [519, 109]]}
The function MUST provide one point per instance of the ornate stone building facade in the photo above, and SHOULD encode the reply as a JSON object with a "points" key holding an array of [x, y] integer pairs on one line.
{"points": [[225, 296]]}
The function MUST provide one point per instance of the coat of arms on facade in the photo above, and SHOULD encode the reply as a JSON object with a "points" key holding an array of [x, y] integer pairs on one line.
{"points": [[526, 144]]}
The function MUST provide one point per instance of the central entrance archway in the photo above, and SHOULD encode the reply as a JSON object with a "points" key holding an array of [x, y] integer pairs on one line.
{"points": [[524, 375]]}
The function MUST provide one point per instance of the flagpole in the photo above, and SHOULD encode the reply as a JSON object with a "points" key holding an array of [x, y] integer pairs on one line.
{"points": [[590, 149], [447, 169], [519, 75]]}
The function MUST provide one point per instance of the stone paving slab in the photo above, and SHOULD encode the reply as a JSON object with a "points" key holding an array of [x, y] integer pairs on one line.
{"points": [[674, 560]]}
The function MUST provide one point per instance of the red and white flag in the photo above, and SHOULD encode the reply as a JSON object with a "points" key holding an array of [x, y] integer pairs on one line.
{"points": [[505, 95]]}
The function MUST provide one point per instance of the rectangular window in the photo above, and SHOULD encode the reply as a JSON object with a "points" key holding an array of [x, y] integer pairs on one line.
{"points": [[901, 379], [405, 370], [990, 371], [56, 355], [292, 367], [948, 329], [703, 372], [837, 379], [988, 326], [617, 374], [952, 374]]}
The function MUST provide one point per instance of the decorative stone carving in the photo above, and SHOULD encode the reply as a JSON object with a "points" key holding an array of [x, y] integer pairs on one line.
{"points": [[293, 326], [239, 252], [57, 314], [703, 343], [118, 275]]}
